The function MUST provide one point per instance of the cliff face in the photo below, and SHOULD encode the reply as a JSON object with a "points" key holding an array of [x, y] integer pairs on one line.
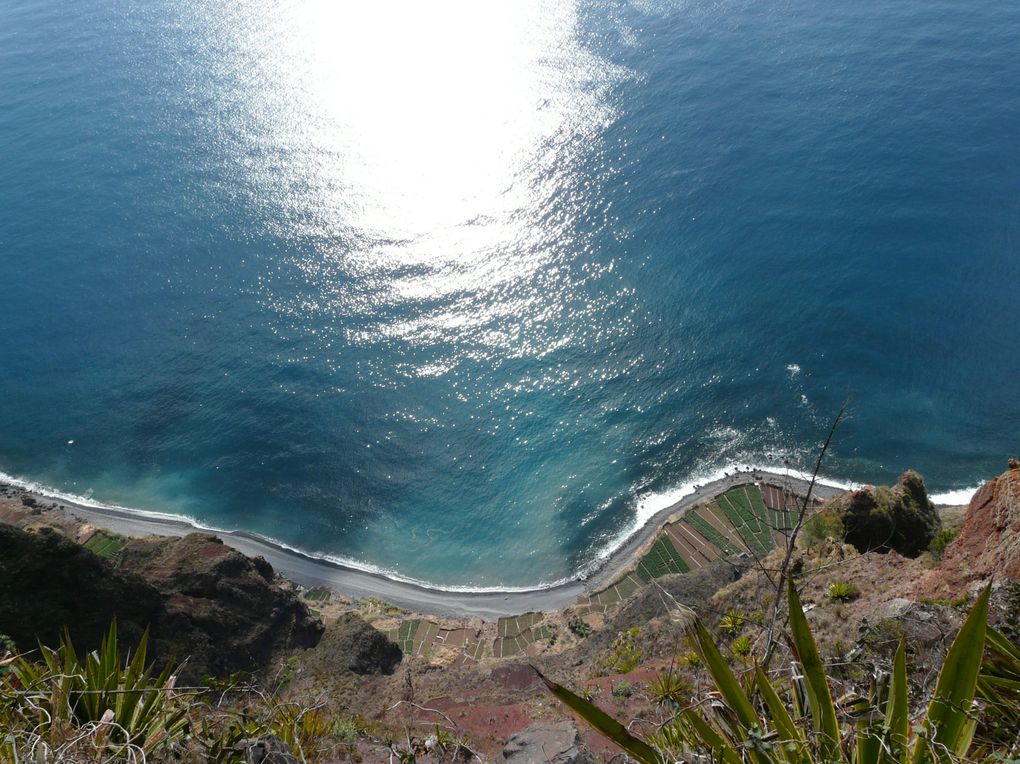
{"points": [[47, 581], [988, 544], [230, 611], [203, 602]]}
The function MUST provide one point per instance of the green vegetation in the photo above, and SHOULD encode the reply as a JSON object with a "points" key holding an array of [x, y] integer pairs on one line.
{"points": [[105, 544], [823, 525], [733, 622], [110, 706], [669, 688], [942, 539], [662, 559], [746, 511], [578, 627], [843, 591], [405, 635], [545, 633], [625, 654], [131, 709], [901, 518], [623, 690], [782, 519], [319, 594], [710, 534], [764, 718], [741, 646], [690, 659]]}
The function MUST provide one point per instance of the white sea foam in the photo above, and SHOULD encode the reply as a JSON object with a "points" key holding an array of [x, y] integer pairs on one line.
{"points": [[649, 505], [86, 501], [955, 498], [646, 506]]}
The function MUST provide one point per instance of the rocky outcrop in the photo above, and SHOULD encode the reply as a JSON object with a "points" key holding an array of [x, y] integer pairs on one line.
{"points": [[48, 581], [265, 750], [213, 609], [235, 615], [988, 544], [352, 644], [558, 743], [880, 519]]}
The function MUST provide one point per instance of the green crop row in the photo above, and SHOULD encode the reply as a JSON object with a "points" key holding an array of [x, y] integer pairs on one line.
{"points": [[661, 560], [710, 534], [751, 525]]}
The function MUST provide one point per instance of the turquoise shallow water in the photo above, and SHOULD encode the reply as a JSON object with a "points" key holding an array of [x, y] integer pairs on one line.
{"points": [[464, 294]]}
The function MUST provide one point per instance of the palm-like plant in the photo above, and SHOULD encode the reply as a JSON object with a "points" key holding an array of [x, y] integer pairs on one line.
{"points": [[767, 721], [119, 704]]}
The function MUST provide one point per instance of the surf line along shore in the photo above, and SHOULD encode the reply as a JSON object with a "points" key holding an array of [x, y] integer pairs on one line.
{"points": [[312, 571]]}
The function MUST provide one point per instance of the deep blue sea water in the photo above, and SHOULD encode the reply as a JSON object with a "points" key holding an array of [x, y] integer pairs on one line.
{"points": [[464, 293]]}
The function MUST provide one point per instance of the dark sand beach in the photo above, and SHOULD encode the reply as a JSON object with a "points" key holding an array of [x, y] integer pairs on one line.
{"points": [[311, 571]]}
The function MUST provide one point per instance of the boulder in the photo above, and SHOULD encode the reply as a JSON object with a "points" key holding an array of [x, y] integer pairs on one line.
{"points": [[48, 582], [543, 742], [268, 749], [927, 627]]}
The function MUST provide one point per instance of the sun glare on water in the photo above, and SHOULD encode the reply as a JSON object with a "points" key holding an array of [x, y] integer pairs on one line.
{"points": [[419, 134], [430, 171]]}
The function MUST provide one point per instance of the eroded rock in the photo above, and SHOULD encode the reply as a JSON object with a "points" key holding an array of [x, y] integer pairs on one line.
{"points": [[544, 742], [358, 647], [208, 606], [880, 519]]}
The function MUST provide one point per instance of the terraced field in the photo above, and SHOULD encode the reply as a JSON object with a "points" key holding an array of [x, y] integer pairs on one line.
{"points": [[427, 638], [712, 535], [662, 559], [781, 508], [614, 594], [748, 519], [105, 544], [746, 511], [319, 594]]}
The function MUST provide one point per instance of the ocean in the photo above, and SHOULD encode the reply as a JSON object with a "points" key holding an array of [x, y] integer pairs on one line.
{"points": [[463, 292]]}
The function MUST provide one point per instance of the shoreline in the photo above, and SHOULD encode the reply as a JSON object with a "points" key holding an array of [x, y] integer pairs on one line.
{"points": [[311, 571]]}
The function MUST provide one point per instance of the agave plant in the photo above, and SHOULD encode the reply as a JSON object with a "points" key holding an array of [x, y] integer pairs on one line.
{"points": [[768, 721], [669, 689], [999, 688], [117, 704]]}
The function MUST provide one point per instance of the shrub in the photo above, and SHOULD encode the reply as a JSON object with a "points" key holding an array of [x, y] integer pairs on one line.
{"points": [[625, 654], [843, 591], [823, 525], [943, 538], [690, 659], [800, 711], [129, 707], [578, 627], [901, 518], [7, 652], [733, 623], [669, 689], [623, 690], [741, 646]]}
